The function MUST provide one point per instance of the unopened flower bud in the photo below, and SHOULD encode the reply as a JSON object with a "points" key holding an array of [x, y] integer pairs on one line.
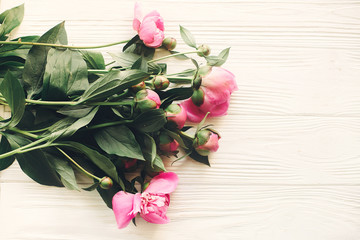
{"points": [[106, 183], [147, 99], [138, 87], [169, 43], [204, 50], [198, 97], [167, 144], [160, 82], [206, 141], [176, 116]]}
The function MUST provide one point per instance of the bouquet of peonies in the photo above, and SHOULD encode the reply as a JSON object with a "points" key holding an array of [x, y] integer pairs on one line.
{"points": [[72, 114]]}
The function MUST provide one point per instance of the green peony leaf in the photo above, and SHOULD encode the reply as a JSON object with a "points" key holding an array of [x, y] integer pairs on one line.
{"points": [[10, 19], [187, 36], [4, 148]]}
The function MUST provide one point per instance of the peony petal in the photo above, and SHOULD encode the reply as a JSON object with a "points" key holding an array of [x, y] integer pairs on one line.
{"points": [[194, 114], [147, 32], [123, 207], [137, 17], [155, 218], [165, 182]]}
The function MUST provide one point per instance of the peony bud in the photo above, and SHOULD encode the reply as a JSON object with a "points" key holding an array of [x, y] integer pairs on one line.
{"points": [[176, 116], [160, 82], [167, 144], [206, 141], [106, 183], [147, 99], [138, 87], [169, 43], [198, 97], [204, 50]]}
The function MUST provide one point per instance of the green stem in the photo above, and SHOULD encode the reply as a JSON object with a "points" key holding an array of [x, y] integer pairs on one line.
{"points": [[111, 103], [77, 165], [180, 79], [109, 124], [25, 133], [172, 55], [67, 103], [60, 45], [98, 71]]}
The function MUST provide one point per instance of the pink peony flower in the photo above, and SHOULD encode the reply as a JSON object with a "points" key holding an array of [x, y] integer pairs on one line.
{"points": [[217, 86], [151, 29], [206, 141], [176, 115], [152, 204]]}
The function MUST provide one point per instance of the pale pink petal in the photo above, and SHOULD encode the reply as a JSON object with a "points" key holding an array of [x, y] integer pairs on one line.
{"points": [[220, 79], [137, 16], [147, 32], [123, 206], [155, 218], [165, 182], [157, 41], [194, 114]]}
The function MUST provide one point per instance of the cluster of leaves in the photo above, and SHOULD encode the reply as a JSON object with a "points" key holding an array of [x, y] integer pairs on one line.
{"points": [[65, 116]]}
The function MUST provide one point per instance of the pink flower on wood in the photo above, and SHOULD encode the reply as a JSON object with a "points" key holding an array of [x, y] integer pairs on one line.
{"points": [[217, 85], [150, 29], [152, 204]]}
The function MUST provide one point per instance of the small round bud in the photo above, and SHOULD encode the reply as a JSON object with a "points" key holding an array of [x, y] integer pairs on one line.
{"points": [[206, 141], [147, 99], [169, 43], [160, 82], [167, 144], [176, 116], [138, 87], [198, 97], [106, 183], [197, 82], [204, 50]]}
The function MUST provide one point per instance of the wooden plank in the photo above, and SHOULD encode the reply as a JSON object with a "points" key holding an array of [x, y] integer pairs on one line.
{"points": [[206, 211]]}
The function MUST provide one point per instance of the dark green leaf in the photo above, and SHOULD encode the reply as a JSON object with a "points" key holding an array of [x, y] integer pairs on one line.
{"points": [[65, 75], [34, 163], [77, 111], [148, 148], [131, 42], [175, 94], [119, 140], [140, 64], [187, 36], [36, 60], [10, 19], [125, 59], [96, 158], [94, 60], [218, 60], [13, 93], [4, 148], [150, 121], [63, 168], [112, 83], [158, 164], [68, 126], [92, 187]]}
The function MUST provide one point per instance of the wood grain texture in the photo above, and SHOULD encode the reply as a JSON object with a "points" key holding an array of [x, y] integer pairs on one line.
{"points": [[288, 166]]}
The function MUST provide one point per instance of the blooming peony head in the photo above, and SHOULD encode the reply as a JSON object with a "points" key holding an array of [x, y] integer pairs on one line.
{"points": [[150, 29], [216, 87], [176, 116], [152, 204], [206, 141]]}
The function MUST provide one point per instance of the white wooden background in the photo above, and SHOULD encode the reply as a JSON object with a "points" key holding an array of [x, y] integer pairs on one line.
{"points": [[289, 162]]}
